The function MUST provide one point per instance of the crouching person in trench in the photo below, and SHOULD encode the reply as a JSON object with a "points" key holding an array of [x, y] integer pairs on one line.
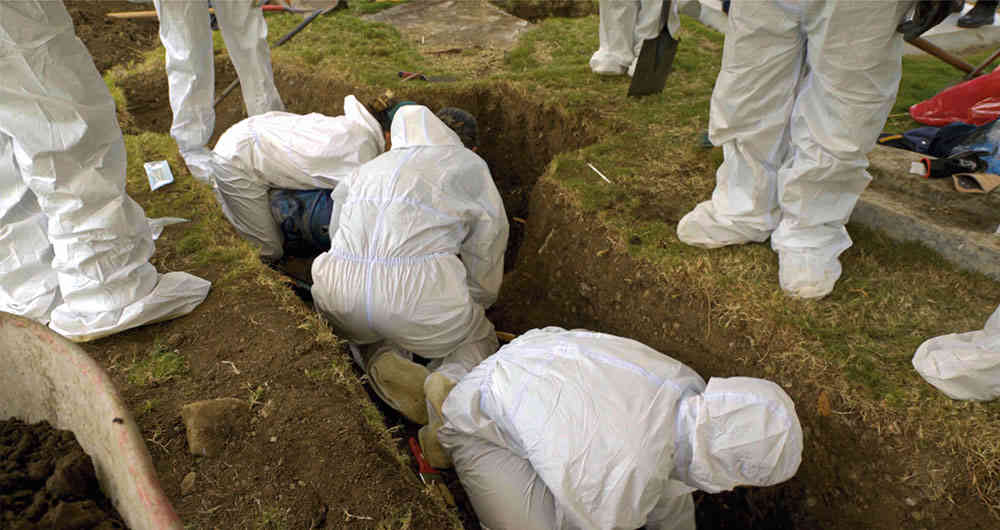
{"points": [[282, 161], [574, 429], [417, 239]]}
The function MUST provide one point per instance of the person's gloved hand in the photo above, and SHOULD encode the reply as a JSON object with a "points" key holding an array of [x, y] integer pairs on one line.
{"points": [[926, 15]]}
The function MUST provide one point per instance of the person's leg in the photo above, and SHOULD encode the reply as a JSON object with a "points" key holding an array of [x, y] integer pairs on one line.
{"points": [[761, 65], [648, 23], [71, 154], [505, 490], [187, 38], [854, 56], [616, 33], [981, 14], [243, 193], [29, 286], [479, 343], [245, 32]]}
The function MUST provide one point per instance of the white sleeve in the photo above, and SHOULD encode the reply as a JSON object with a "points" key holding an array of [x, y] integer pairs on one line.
{"points": [[483, 249], [339, 195]]}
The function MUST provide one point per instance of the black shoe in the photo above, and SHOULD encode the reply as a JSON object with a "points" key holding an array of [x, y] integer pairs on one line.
{"points": [[981, 14]]}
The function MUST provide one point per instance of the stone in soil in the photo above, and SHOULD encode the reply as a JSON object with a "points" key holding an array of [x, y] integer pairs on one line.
{"points": [[210, 424]]}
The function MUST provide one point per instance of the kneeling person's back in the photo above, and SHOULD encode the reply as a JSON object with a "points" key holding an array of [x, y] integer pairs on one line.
{"points": [[417, 237]]}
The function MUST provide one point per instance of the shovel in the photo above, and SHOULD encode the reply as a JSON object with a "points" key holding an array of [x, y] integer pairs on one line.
{"points": [[656, 59]]}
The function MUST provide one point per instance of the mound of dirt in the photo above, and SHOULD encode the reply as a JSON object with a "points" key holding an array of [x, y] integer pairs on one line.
{"points": [[112, 41], [47, 481], [535, 10]]}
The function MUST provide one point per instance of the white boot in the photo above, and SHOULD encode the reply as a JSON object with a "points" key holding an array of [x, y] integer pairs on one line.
{"points": [[703, 227], [804, 274]]}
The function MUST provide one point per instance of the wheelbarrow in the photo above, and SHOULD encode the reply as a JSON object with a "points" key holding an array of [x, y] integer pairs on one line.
{"points": [[46, 377]]}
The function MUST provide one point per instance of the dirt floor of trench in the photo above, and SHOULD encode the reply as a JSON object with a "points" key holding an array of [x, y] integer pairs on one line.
{"points": [[301, 459]]}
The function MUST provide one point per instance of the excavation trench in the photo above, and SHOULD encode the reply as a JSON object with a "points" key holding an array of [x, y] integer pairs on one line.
{"points": [[563, 271]]}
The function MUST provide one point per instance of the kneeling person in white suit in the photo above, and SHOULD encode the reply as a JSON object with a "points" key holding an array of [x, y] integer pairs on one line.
{"points": [[280, 150], [574, 429], [417, 245]]}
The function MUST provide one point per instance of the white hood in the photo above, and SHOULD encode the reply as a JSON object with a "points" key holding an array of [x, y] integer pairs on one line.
{"points": [[416, 125], [740, 431]]}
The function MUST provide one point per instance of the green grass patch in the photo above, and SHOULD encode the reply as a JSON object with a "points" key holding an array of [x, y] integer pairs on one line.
{"points": [[158, 366]]}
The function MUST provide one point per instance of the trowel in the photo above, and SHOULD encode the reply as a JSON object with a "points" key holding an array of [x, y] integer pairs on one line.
{"points": [[656, 59]]}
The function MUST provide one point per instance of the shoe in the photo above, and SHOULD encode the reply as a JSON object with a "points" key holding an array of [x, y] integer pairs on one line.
{"points": [[703, 228], [436, 388], [601, 63], [802, 274], [981, 14], [400, 382]]}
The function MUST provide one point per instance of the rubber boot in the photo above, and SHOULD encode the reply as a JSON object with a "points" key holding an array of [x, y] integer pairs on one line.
{"points": [[400, 383], [981, 14], [436, 388]]}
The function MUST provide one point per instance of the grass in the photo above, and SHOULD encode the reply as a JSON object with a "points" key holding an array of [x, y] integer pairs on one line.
{"points": [[158, 366], [855, 345]]}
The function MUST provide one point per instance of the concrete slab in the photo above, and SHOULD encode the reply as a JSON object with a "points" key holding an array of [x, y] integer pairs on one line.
{"points": [[946, 35], [454, 23], [963, 228]]}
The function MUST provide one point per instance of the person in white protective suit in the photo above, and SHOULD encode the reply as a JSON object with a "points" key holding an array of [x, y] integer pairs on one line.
{"points": [[74, 247], [417, 244], [964, 365], [280, 150], [624, 25], [804, 90], [581, 430], [187, 37]]}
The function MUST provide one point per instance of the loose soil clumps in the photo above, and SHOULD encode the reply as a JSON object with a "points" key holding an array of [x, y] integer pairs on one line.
{"points": [[112, 41], [47, 481]]}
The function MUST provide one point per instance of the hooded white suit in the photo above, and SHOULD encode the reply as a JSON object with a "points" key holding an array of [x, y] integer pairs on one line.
{"points": [[803, 93], [187, 37], [581, 430], [74, 247], [417, 242], [279, 150]]}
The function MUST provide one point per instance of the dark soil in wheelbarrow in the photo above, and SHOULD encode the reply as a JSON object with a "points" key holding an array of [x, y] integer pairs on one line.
{"points": [[47, 481]]}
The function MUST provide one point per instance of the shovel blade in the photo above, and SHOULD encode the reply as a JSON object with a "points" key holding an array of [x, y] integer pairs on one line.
{"points": [[656, 60]]}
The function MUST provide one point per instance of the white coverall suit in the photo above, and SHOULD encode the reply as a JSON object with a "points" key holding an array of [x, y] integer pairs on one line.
{"points": [[964, 365], [804, 90], [624, 25], [417, 244], [581, 430], [279, 150], [74, 247], [187, 37]]}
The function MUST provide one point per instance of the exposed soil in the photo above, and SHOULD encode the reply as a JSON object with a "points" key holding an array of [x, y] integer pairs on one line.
{"points": [[535, 10], [304, 457], [112, 41], [570, 273], [47, 481]]}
